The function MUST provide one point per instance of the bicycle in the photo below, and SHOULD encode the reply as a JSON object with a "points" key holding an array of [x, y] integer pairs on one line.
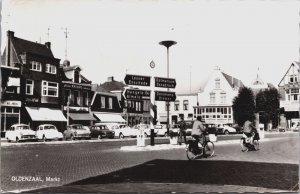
{"points": [[196, 150], [246, 144]]}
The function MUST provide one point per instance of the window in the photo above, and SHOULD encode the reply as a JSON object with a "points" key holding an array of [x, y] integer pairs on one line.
{"points": [[102, 102], [212, 97], [146, 105], [85, 98], [294, 94], [190, 115], [223, 97], [50, 69], [29, 87], [67, 95], [185, 105], [49, 89], [77, 97], [76, 76], [36, 66], [217, 83], [176, 105], [199, 111], [110, 103]]}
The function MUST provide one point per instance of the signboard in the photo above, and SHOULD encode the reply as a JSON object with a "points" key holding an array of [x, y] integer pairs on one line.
{"points": [[133, 94], [12, 103], [165, 96], [137, 80], [165, 82], [75, 86]]}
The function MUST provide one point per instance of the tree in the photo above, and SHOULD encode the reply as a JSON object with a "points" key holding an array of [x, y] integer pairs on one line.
{"points": [[243, 106], [267, 102]]}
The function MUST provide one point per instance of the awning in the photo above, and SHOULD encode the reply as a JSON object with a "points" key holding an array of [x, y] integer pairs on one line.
{"points": [[45, 114], [82, 117], [110, 118]]}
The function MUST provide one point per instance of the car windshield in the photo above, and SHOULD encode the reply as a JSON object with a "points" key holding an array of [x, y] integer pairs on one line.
{"points": [[22, 127], [48, 127]]}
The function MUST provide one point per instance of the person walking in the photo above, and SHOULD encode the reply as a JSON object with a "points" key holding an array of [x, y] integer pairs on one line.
{"points": [[198, 130], [182, 132]]}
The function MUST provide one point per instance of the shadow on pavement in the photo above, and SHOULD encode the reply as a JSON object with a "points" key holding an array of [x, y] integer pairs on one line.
{"points": [[267, 175]]}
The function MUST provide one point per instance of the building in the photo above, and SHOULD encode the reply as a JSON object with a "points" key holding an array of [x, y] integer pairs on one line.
{"points": [[105, 106], [289, 94], [215, 98], [134, 111], [34, 90], [76, 94]]}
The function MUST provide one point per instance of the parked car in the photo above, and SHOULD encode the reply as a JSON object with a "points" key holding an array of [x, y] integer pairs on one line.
{"points": [[77, 131], [20, 132], [161, 130], [146, 128], [225, 129], [125, 131], [48, 132], [100, 131]]}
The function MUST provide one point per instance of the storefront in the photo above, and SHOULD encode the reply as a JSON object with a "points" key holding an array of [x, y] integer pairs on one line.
{"points": [[86, 119], [10, 114]]}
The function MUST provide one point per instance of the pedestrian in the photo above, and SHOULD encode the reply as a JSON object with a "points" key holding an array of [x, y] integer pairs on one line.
{"points": [[198, 130], [182, 132]]}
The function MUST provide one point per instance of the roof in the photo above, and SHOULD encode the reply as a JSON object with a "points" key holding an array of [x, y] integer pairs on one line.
{"points": [[22, 46], [97, 88], [292, 65], [113, 85], [233, 82], [70, 68]]}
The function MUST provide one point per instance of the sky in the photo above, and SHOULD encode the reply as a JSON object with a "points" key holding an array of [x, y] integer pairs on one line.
{"points": [[114, 37]]}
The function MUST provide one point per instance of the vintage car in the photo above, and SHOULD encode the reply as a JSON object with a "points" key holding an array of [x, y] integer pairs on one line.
{"points": [[101, 131], [48, 132], [161, 130], [125, 131], [225, 129], [77, 131], [20, 132]]}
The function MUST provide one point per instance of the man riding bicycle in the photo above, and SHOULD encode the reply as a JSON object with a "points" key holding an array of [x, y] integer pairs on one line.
{"points": [[198, 130], [250, 131]]}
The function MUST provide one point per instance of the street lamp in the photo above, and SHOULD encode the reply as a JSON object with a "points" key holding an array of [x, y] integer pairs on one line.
{"points": [[168, 44]]}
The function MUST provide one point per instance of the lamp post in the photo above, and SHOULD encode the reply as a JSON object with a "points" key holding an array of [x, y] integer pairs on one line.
{"points": [[168, 44]]}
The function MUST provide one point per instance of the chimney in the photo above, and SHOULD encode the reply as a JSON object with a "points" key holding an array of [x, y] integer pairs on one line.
{"points": [[110, 79], [10, 35], [48, 45]]}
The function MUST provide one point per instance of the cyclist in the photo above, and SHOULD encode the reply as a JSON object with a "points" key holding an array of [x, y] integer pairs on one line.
{"points": [[198, 130], [182, 132], [250, 130]]}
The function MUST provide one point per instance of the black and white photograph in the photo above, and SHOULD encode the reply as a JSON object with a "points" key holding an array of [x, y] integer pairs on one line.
{"points": [[150, 96]]}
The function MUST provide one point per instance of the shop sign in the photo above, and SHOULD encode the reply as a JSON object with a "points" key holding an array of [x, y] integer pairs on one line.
{"points": [[13, 103], [75, 86]]}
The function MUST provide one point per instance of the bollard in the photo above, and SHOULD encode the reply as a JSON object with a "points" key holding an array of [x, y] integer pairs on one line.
{"points": [[140, 138], [152, 137]]}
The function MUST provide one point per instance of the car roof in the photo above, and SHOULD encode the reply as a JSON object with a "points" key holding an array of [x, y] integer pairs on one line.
{"points": [[21, 124]]}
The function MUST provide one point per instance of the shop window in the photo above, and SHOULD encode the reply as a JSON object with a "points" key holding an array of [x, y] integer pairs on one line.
{"points": [[50, 69], [77, 97], [36, 66], [185, 105], [67, 96], [29, 87], [49, 89]]}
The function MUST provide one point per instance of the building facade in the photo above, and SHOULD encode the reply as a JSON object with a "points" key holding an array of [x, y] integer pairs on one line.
{"points": [[36, 84], [289, 94]]}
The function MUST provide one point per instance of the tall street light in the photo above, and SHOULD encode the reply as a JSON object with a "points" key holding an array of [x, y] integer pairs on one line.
{"points": [[168, 44]]}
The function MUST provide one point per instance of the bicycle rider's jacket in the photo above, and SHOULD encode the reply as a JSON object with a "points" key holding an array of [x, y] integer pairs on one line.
{"points": [[198, 128]]}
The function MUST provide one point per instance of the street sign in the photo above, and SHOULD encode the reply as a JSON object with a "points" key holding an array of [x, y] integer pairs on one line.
{"points": [[165, 82], [134, 94], [137, 80], [165, 96]]}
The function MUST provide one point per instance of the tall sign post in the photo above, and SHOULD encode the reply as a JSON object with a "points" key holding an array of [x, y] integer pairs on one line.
{"points": [[168, 44]]}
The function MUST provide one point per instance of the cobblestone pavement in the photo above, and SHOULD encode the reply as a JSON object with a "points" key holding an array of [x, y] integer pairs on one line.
{"points": [[275, 166]]}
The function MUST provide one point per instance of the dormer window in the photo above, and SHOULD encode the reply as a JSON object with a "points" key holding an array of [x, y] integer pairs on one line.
{"points": [[36, 66], [76, 76], [217, 83], [50, 69]]}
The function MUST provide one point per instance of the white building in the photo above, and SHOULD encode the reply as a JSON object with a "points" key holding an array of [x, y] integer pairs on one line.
{"points": [[213, 101], [289, 94], [215, 98]]}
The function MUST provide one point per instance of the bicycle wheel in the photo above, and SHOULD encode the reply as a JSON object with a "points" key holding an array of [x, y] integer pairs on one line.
{"points": [[244, 148], [256, 144], [192, 153], [209, 149]]}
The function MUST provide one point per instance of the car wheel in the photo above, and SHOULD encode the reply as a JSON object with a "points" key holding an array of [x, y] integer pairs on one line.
{"points": [[44, 138], [17, 139], [121, 136], [72, 138], [166, 134], [99, 136], [8, 140], [226, 132]]}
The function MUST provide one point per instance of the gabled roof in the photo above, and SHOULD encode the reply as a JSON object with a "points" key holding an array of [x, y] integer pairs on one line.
{"points": [[22, 46], [233, 82], [113, 85], [292, 65]]}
